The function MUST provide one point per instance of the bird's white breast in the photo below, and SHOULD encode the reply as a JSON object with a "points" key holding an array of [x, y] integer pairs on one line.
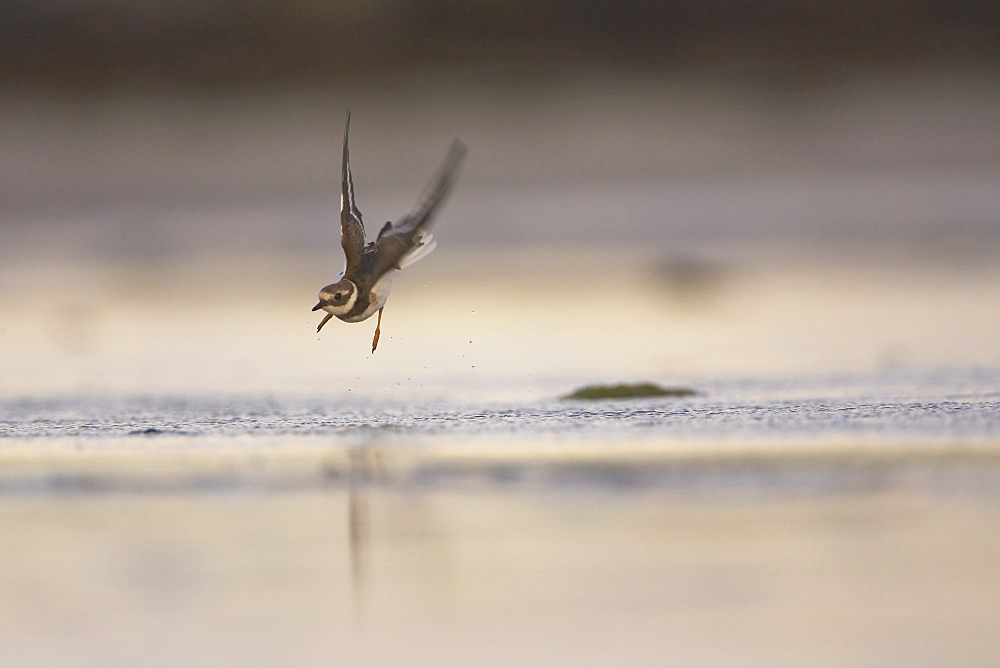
{"points": [[377, 297]]}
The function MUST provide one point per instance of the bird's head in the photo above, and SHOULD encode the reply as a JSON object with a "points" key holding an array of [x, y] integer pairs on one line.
{"points": [[337, 298]]}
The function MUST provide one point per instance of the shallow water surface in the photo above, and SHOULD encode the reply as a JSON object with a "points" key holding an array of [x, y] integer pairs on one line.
{"points": [[816, 520], [385, 574]]}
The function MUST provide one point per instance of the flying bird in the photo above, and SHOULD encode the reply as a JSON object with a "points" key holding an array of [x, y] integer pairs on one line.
{"points": [[363, 287]]}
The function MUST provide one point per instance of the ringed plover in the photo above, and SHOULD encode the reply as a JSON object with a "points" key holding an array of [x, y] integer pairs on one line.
{"points": [[363, 287]]}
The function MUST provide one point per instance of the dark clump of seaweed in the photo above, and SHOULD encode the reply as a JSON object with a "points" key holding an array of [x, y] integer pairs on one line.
{"points": [[628, 391]]}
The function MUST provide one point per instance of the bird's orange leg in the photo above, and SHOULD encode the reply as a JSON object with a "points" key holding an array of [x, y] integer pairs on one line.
{"points": [[328, 316], [377, 330]]}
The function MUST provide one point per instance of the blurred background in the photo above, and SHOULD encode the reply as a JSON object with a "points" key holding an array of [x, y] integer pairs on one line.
{"points": [[791, 206], [819, 177]]}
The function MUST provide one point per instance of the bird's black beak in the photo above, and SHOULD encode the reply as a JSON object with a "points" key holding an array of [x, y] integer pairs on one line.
{"points": [[318, 306]]}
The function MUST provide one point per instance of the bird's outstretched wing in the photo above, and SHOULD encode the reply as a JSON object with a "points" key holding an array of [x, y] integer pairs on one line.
{"points": [[352, 229], [403, 240]]}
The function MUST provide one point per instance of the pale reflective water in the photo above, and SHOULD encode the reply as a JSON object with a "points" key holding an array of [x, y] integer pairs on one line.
{"points": [[377, 571], [751, 523]]}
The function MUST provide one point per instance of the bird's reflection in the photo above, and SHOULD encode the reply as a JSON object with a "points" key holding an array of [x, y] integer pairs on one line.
{"points": [[385, 511], [364, 467]]}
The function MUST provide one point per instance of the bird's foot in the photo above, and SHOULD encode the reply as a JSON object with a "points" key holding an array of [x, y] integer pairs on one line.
{"points": [[325, 320], [378, 330]]}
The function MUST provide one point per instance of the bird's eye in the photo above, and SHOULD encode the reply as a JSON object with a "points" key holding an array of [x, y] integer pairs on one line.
{"points": [[337, 297]]}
